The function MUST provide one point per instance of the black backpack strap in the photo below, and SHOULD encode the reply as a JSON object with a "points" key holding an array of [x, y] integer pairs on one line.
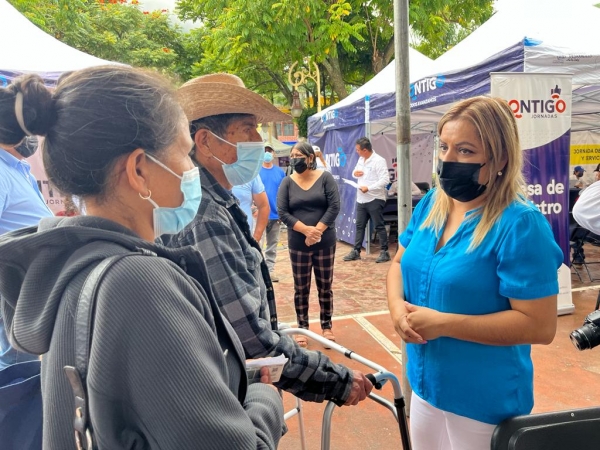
{"points": [[84, 325]]}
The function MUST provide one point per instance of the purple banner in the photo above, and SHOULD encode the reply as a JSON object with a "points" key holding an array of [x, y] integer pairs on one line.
{"points": [[346, 116], [546, 172], [339, 150], [49, 78]]}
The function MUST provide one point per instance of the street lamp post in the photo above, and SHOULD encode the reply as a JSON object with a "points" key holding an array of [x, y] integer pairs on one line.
{"points": [[300, 77]]}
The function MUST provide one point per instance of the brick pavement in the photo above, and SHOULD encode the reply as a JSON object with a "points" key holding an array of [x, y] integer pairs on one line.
{"points": [[564, 377]]}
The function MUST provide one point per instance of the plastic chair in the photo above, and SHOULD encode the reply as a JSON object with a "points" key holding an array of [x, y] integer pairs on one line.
{"points": [[424, 186], [562, 430]]}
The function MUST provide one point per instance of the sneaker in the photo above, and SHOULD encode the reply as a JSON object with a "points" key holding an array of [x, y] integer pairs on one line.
{"points": [[352, 256], [274, 278], [384, 256]]}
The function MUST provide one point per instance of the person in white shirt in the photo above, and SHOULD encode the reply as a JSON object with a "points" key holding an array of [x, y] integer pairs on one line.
{"points": [[414, 189], [372, 176], [586, 211]]}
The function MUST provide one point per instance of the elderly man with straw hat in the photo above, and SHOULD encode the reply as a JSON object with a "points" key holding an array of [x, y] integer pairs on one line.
{"points": [[223, 117]]}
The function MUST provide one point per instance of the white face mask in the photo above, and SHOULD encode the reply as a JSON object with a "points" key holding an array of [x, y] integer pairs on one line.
{"points": [[173, 220], [250, 156]]}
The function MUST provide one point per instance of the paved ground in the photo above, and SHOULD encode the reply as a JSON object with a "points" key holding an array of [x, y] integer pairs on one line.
{"points": [[564, 377]]}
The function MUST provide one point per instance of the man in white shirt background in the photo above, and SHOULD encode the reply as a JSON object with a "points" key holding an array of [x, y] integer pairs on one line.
{"points": [[372, 176]]}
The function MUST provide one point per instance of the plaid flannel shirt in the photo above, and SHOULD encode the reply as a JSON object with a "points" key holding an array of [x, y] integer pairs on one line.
{"points": [[234, 268]]}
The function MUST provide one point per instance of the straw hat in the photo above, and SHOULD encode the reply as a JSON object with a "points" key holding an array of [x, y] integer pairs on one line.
{"points": [[223, 93]]}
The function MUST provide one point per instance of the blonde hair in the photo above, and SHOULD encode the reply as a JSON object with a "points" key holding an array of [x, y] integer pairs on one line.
{"points": [[496, 127]]}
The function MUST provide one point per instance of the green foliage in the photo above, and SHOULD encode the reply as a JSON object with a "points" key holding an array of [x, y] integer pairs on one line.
{"points": [[438, 25], [302, 121], [270, 36], [351, 40]]}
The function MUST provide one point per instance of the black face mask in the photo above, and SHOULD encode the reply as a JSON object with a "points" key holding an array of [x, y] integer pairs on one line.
{"points": [[298, 164], [460, 181], [27, 147]]}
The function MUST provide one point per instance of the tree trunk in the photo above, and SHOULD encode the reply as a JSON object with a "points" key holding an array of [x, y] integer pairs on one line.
{"points": [[388, 52], [332, 66], [377, 62], [382, 59], [281, 84]]}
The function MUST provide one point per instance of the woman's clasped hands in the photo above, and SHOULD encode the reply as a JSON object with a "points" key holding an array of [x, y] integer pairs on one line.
{"points": [[313, 236], [419, 324]]}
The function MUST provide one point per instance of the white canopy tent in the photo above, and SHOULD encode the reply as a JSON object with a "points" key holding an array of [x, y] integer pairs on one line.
{"points": [[534, 36], [28, 49], [554, 36], [280, 148], [385, 81]]}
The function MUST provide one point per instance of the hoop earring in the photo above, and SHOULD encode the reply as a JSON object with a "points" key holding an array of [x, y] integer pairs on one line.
{"points": [[499, 173], [146, 198]]}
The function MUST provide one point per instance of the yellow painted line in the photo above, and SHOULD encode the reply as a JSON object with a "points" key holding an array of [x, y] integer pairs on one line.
{"points": [[586, 288], [383, 340]]}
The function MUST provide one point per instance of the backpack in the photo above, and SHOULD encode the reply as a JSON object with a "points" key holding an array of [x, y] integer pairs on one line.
{"points": [[84, 327]]}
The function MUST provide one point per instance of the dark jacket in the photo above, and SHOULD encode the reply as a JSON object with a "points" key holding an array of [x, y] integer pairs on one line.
{"points": [[165, 370]]}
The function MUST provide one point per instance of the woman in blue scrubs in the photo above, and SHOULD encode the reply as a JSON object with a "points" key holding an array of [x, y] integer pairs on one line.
{"points": [[473, 284]]}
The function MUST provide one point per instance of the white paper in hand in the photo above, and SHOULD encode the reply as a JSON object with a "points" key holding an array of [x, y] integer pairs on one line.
{"points": [[274, 364], [350, 182]]}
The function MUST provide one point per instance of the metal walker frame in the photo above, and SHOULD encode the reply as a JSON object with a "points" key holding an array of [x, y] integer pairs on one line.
{"points": [[379, 378]]}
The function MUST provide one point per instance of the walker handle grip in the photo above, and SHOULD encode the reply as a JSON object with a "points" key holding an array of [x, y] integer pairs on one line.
{"points": [[373, 378]]}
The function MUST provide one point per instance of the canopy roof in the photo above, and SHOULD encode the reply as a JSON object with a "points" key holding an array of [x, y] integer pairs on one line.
{"points": [[280, 148], [535, 36], [26, 48]]}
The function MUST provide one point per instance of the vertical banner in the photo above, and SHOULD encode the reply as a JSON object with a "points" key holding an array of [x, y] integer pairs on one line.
{"points": [[53, 198], [339, 150], [541, 104]]}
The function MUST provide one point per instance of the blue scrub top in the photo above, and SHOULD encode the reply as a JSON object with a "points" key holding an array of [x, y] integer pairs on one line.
{"points": [[517, 259], [21, 202], [244, 193]]}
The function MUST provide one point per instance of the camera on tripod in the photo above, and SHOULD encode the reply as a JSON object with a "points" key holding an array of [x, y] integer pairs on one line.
{"points": [[588, 336]]}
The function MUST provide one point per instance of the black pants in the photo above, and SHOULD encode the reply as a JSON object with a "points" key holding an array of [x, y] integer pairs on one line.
{"points": [[374, 211]]}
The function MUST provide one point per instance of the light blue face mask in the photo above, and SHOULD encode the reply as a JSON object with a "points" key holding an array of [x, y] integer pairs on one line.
{"points": [[248, 164], [173, 220], [268, 157]]}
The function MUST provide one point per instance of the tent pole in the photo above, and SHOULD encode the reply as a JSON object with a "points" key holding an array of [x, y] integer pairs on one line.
{"points": [[368, 135], [404, 176]]}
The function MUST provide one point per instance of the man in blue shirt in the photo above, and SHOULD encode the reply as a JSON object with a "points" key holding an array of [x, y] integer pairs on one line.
{"points": [[271, 176], [21, 205], [252, 195]]}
